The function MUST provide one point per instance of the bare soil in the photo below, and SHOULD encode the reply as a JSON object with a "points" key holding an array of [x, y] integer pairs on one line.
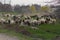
{"points": [[7, 37]]}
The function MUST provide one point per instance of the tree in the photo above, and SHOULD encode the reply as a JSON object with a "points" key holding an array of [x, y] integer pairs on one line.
{"points": [[17, 8], [47, 9], [58, 1], [25, 9], [57, 12], [32, 8], [44, 8], [37, 8], [1, 6], [6, 8]]}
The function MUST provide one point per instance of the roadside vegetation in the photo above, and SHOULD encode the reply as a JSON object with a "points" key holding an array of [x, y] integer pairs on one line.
{"points": [[44, 31]]}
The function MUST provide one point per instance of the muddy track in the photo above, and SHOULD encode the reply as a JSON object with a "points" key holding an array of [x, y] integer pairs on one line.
{"points": [[7, 37]]}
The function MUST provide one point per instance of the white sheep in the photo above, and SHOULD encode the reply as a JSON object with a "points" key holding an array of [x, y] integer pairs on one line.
{"points": [[34, 22], [52, 21], [2, 20], [42, 20], [12, 22], [34, 28], [7, 15]]}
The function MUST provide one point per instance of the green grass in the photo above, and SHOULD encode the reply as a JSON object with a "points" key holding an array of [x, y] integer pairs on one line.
{"points": [[13, 33], [45, 31]]}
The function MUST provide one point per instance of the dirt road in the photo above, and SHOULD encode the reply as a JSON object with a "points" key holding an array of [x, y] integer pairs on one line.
{"points": [[7, 37]]}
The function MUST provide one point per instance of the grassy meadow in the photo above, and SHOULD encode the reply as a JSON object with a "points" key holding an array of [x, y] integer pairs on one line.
{"points": [[44, 31]]}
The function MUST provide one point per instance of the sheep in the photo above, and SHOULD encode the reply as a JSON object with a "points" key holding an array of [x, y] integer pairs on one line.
{"points": [[26, 22], [42, 20], [18, 21], [47, 20], [14, 17], [12, 22], [7, 15], [30, 22], [2, 20], [27, 17], [33, 22], [34, 28], [52, 21]]}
